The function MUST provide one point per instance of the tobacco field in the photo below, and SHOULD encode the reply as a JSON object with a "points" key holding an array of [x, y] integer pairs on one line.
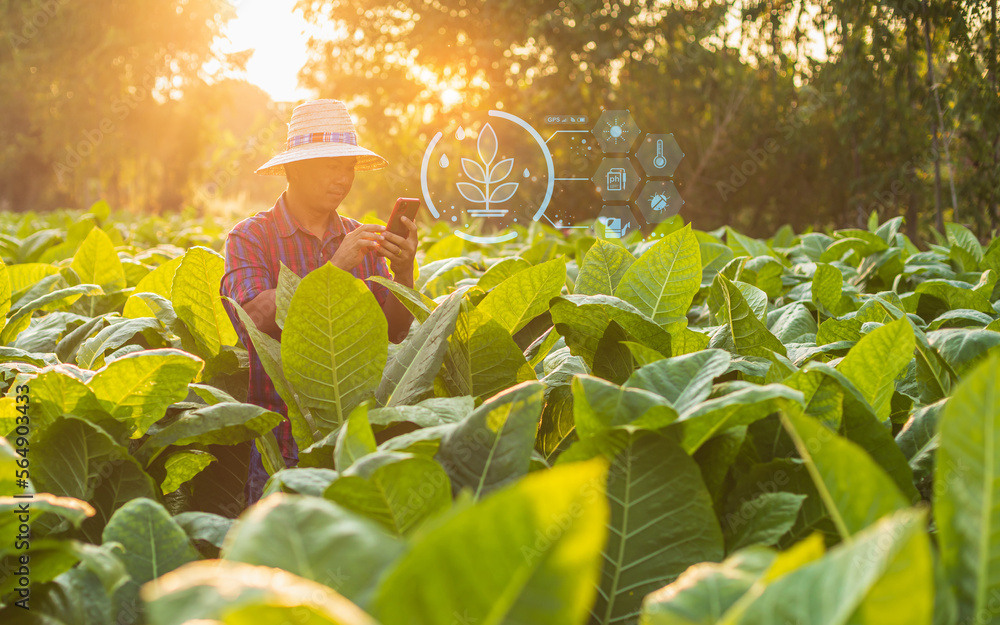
{"points": [[695, 428]]}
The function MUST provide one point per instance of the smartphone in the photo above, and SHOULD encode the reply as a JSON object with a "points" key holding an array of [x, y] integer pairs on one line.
{"points": [[405, 207]]}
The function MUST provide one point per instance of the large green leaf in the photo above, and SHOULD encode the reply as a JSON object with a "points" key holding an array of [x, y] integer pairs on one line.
{"points": [[603, 268], [225, 423], [661, 523], [684, 380], [334, 345], [742, 407], [159, 281], [884, 575], [419, 305], [855, 490], [73, 458], [233, 593], [599, 405], [304, 429], [400, 491], [154, 543], [96, 262], [137, 388], [288, 282], [827, 285], [743, 332], [583, 320], [525, 295], [112, 337], [197, 302], [877, 360], [482, 358], [61, 298], [967, 489], [182, 466], [500, 271], [492, 446], [762, 521], [316, 539], [409, 375], [527, 554], [355, 438], [664, 280]]}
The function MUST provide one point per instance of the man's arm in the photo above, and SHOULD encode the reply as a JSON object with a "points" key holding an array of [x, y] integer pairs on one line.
{"points": [[247, 280]]}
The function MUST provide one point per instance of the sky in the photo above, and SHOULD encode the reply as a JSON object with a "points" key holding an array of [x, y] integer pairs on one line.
{"points": [[278, 36]]}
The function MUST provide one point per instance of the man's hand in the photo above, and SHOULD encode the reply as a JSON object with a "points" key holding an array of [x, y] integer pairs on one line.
{"points": [[400, 252], [356, 244]]}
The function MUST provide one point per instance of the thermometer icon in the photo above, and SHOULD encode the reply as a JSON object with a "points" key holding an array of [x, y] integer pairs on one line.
{"points": [[659, 161]]}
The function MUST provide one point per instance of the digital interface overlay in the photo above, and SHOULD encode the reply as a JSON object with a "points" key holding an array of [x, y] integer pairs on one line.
{"points": [[500, 171]]}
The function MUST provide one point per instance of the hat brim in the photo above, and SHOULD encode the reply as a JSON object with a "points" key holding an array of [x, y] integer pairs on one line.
{"points": [[367, 160]]}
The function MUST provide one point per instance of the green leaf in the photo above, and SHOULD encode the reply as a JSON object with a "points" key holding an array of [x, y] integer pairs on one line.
{"points": [[137, 389], [884, 575], [743, 407], [747, 334], [217, 591], [316, 539], [304, 429], [492, 446], [159, 281], [5, 293], [877, 360], [355, 439], [225, 423], [603, 268], [197, 302], [661, 523], [55, 300], [827, 286], [525, 295], [583, 320], [967, 489], [662, 283], [500, 271], [855, 490], [183, 466], [954, 296], [334, 345], [400, 491], [47, 513], [528, 579], [288, 281], [154, 543], [204, 526], [96, 262], [962, 350], [684, 380], [599, 405], [73, 458], [762, 521], [111, 338], [962, 237], [409, 376], [482, 358]]}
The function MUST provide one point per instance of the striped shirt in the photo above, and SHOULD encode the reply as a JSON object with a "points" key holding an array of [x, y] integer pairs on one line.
{"points": [[254, 250]]}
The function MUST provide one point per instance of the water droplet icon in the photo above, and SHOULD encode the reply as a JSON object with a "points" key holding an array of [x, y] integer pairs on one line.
{"points": [[460, 133], [444, 160], [526, 173]]}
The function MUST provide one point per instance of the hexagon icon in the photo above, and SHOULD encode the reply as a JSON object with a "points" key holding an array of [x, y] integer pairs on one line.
{"points": [[615, 131], [616, 179], [659, 155], [615, 221], [659, 200]]}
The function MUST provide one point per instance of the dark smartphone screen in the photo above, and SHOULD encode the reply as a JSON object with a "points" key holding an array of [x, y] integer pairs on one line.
{"points": [[405, 206]]}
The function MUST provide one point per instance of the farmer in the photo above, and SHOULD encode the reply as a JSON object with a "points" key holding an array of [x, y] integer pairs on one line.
{"points": [[303, 230]]}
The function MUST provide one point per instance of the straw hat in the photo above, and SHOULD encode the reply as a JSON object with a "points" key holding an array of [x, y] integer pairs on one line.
{"points": [[321, 129]]}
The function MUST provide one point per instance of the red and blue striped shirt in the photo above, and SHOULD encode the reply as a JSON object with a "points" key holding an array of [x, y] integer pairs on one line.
{"points": [[254, 250]]}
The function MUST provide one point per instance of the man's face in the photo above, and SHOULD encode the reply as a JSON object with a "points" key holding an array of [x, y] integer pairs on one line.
{"points": [[322, 182]]}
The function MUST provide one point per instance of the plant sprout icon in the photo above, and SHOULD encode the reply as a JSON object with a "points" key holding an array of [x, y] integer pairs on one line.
{"points": [[486, 175]]}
